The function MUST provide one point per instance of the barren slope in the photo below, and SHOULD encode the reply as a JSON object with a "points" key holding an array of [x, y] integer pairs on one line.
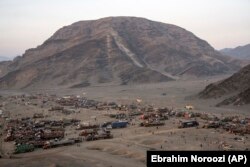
{"points": [[115, 50], [238, 86]]}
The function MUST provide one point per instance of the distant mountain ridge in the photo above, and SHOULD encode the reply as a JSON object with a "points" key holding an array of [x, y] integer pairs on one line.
{"points": [[240, 52], [114, 50], [3, 58]]}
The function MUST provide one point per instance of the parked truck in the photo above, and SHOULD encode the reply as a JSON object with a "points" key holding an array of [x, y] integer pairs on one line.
{"points": [[212, 125], [37, 143], [152, 123], [86, 126], [23, 148], [9, 138], [87, 132], [99, 135], [187, 124], [52, 135], [119, 124], [51, 144]]}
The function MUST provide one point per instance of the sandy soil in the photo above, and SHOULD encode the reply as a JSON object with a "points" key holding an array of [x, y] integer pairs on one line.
{"points": [[129, 145]]}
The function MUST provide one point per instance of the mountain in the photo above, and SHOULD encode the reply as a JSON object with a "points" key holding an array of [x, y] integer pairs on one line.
{"points": [[115, 50], [236, 88], [2, 58], [241, 52]]}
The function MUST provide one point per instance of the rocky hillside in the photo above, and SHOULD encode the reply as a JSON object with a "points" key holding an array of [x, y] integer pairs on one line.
{"points": [[114, 50], [237, 87], [240, 52]]}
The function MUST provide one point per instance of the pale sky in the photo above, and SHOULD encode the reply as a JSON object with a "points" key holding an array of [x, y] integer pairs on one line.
{"points": [[26, 24]]}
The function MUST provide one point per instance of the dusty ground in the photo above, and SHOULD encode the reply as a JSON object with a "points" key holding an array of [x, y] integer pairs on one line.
{"points": [[129, 145]]}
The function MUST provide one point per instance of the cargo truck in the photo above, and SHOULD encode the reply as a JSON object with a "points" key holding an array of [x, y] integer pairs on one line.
{"points": [[23, 148], [51, 144], [119, 124]]}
